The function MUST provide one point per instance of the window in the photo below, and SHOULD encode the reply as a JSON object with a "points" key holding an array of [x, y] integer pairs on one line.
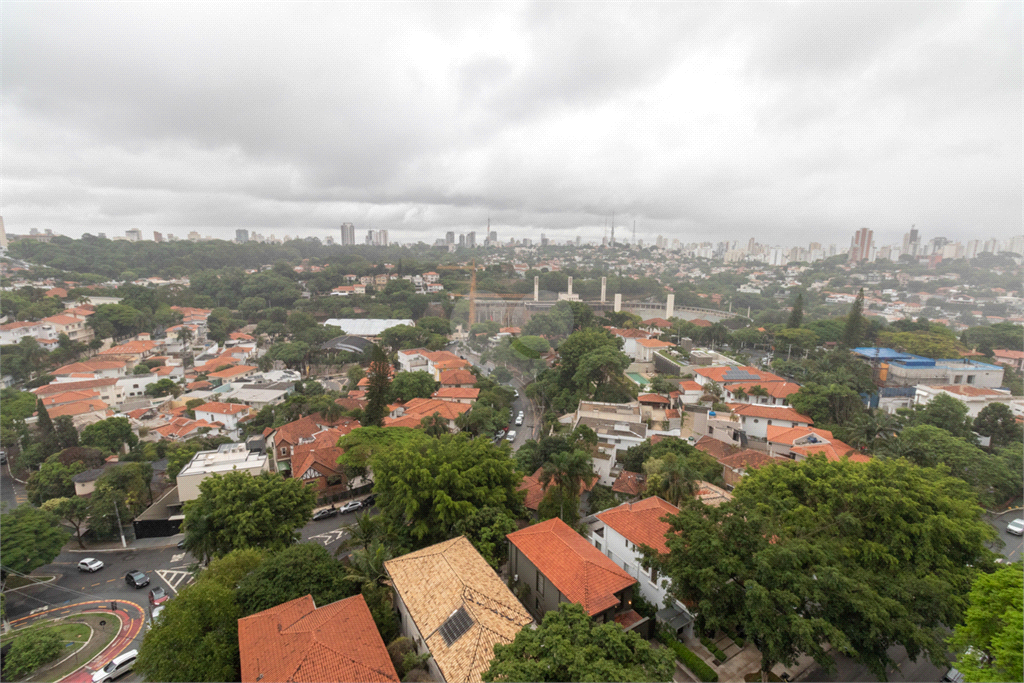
{"points": [[958, 379], [654, 575], [536, 604], [599, 532], [540, 583], [970, 379], [711, 430], [597, 545], [769, 423]]}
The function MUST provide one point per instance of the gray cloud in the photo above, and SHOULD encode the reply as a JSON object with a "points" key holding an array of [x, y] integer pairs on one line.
{"points": [[785, 122]]}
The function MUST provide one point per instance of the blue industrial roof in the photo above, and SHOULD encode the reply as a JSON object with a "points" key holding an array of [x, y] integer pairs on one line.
{"points": [[884, 354]]}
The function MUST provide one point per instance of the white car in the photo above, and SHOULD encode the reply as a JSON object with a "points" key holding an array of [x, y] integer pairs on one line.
{"points": [[511, 436], [90, 564], [519, 420], [1016, 527], [118, 666]]}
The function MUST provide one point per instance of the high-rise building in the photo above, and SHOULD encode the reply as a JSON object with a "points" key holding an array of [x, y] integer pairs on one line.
{"points": [[543, 240], [348, 234], [912, 242], [369, 237], [3, 235], [381, 238], [194, 236], [861, 246], [133, 235], [462, 240], [471, 239], [157, 237], [241, 235], [1015, 245], [493, 236], [449, 237]]}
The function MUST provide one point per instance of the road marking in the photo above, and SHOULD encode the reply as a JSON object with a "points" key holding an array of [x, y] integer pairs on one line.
{"points": [[109, 580], [175, 577], [178, 558], [96, 584], [329, 537]]}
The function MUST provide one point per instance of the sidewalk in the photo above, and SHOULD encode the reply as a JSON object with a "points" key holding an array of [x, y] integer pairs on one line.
{"points": [[114, 546]]}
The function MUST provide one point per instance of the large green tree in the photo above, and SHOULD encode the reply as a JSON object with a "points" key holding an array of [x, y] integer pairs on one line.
{"points": [[410, 385], [860, 555], [110, 434], [237, 510], [425, 486], [377, 393], [998, 422], [944, 412], [30, 537], [853, 331], [990, 641], [53, 480], [570, 646], [73, 510], [568, 470], [833, 404], [301, 569]]}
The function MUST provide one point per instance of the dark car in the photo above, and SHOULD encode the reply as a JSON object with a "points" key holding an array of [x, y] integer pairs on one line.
{"points": [[181, 544], [158, 596], [136, 579], [325, 513], [369, 500]]}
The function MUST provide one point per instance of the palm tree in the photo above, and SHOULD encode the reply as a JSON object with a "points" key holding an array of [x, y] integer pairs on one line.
{"points": [[713, 388], [671, 478], [366, 565], [871, 428], [568, 471], [435, 425], [361, 533]]}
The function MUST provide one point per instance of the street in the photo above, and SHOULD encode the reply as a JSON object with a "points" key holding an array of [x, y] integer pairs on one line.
{"points": [[531, 423], [11, 494], [1013, 544]]}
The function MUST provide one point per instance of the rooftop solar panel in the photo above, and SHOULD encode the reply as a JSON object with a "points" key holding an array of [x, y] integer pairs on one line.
{"points": [[455, 626], [738, 375]]}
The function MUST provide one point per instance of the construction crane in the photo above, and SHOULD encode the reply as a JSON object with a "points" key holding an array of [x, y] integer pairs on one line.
{"points": [[472, 297]]}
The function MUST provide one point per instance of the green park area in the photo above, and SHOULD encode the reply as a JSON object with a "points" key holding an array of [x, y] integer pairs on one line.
{"points": [[51, 650]]}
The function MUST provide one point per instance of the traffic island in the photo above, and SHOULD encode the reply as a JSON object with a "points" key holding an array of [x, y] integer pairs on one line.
{"points": [[80, 638]]}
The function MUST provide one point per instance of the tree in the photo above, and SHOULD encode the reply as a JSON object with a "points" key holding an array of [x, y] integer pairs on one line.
{"points": [[434, 425], [797, 316], [425, 486], [860, 555], [30, 650], [354, 374], [800, 338], [110, 434], [201, 621], [570, 646], [65, 432], [53, 480], [377, 392], [73, 510], [132, 481], [163, 387], [44, 428], [486, 529], [997, 421], [568, 471], [29, 538], [835, 404], [301, 569], [502, 374], [409, 385], [237, 510], [990, 640], [944, 412], [927, 344], [853, 331]]}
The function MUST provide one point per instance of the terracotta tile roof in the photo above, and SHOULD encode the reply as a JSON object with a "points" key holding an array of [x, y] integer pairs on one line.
{"points": [[835, 451], [451, 364], [965, 390], [69, 397], [322, 453], [789, 435], [630, 483], [671, 413], [653, 398], [223, 408], [628, 618], [640, 523], [17, 325], [535, 490], [137, 414], [233, 372], [456, 392], [629, 333], [718, 373], [749, 459], [90, 366], [700, 322], [657, 322], [241, 336], [768, 412], [351, 403], [456, 377], [135, 346], [435, 582], [713, 447], [575, 568], [690, 385], [774, 389], [59, 387], [296, 641], [303, 428], [180, 427], [58, 292], [418, 408], [709, 494], [654, 343], [1008, 353], [357, 393], [77, 408], [61, 319], [201, 384]]}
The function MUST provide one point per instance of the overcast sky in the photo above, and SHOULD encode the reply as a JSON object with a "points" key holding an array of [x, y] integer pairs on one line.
{"points": [[788, 122]]}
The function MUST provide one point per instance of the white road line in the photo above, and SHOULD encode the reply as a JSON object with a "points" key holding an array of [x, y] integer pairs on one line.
{"points": [[329, 537], [178, 558], [174, 577]]}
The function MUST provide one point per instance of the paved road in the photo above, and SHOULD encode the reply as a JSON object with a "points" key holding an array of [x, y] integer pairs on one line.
{"points": [[524, 432], [12, 494], [1011, 549]]}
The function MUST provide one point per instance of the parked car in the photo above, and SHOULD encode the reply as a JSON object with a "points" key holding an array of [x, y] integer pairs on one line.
{"points": [[511, 436], [136, 579], [90, 564], [118, 666], [325, 513], [519, 420], [181, 544], [953, 676], [369, 501], [3, 456], [158, 596], [1016, 527], [350, 506], [516, 391]]}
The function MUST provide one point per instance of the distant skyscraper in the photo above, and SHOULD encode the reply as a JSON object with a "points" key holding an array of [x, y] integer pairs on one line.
{"points": [[241, 235], [348, 234], [543, 240], [471, 239], [157, 237], [912, 242], [493, 236], [133, 235], [861, 246], [1015, 245], [462, 240], [449, 237], [3, 235]]}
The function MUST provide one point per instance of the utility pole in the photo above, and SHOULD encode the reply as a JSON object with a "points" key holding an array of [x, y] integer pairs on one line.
{"points": [[119, 527], [472, 297]]}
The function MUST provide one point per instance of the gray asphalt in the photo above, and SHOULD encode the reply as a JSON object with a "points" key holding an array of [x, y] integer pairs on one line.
{"points": [[12, 494], [1011, 549], [526, 431]]}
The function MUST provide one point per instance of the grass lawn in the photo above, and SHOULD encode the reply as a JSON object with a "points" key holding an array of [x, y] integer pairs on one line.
{"points": [[75, 632]]}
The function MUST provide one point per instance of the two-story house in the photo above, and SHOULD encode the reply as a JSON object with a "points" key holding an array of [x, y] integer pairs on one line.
{"points": [[558, 565]]}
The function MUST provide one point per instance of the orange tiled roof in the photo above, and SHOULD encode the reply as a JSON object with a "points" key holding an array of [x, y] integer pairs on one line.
{"points": [[769, 412], [59, 387], [456, 392], [296, 641], [774, 389], [657, 322], [132, 347], [628, 333], [69, 397], [640, 523], [629, 483], [89, 366], [788, 435], [575, 568], [750, 459], [451, 364], [965, 390], [690, 385], [241, 336], [223, 408], [718, 373], [201, 384], [91, 405], [700, 322], [713, 447], [61, 319], [453, 377], [58, 292], [835, 451], [322, 452], [351, 403], [233, 371], [418, 408], [653, 398], [535, 490], [1008, 353], [654, 343]]}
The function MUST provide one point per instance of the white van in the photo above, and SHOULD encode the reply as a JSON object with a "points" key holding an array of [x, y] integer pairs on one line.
{"points": [[118, 666]]}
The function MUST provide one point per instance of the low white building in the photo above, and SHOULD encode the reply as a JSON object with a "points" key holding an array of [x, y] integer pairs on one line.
{"points": [[975, 398], [227, 458], [228, 414]]}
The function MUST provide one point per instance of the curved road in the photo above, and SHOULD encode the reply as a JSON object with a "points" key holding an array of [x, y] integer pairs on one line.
{"points": [[531, 417]]}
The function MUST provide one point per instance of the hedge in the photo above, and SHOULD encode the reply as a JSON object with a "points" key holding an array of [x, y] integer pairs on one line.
{"points": [[687, 657], [712, 648]]}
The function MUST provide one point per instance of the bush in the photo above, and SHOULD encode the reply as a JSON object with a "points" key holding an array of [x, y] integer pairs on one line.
{"points": [[687, 657], [712, 648], [31, 650], [643, 607], [397, 650]]}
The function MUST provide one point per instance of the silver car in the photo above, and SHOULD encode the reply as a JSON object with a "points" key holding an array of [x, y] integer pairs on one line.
{"points": [[90, 564], [1016, 527]]}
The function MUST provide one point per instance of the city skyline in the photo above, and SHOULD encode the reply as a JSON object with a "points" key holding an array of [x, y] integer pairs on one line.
{"points": [[735, 120]]}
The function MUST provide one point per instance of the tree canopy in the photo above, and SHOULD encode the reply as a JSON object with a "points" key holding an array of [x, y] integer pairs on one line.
{"points": [[301, 569], [990, 641], [30, 537], [860, 555], [570, 646]]}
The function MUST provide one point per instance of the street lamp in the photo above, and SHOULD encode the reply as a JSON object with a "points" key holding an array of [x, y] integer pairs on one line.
{"points": [[120, 529]]}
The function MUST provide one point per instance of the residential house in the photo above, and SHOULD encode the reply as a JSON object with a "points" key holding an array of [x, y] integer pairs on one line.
{"points": [[1015, 359], [630, 483], [558, 565], [109, 391], [97, 368], [799, 443], [315, 461], [282, 442], [975, 398], [738, 465], [411, 360], [629, 338], [182, 428], [457, 395], [452, 604], [461, 379], [726, 374], [226, 458], [535, 490], [228, 414], [645, 349], [82, 413], [133, 351], [411, 413], [72, 325], [12, 333], [767, 393], [297, 641], [236, 373], [755, 419]]}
